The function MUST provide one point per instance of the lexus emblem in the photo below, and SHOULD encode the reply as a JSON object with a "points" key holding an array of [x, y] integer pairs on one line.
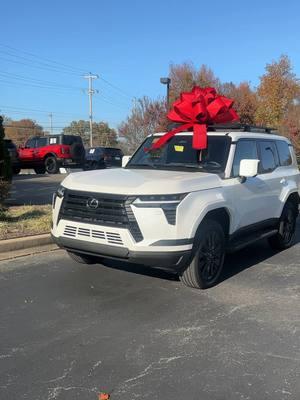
{"points": [[92, 203]]}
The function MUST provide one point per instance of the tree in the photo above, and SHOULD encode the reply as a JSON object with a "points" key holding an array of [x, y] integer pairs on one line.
{"points": [[290, 126], [103, 135], [148, 116], [245, 100], [277, 89], [5, 167], [184, 76], [20, 131]]}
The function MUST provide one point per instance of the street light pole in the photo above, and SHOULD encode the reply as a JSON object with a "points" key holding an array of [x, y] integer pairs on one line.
{"points": [[91, 91], [167, 81]]}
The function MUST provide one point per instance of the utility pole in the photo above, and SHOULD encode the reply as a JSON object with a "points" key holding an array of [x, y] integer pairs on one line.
{"points": [[51, 126], [91, 91]]}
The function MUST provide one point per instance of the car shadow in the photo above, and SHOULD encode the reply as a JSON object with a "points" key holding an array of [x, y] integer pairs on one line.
{"points": [[235, 263]]}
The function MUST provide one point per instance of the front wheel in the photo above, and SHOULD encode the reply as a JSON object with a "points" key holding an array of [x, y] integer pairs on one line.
{"points": [[51, 165], [285, 236], [209, 252], [82, 258]]}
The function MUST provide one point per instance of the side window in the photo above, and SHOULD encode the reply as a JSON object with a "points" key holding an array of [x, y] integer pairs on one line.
{"points": [[42, 141], [30, 144], [245, 150], [284, 153], [268, 156]]}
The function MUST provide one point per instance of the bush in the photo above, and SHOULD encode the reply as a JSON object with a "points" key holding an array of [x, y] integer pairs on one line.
{"points": [[5, 167]]}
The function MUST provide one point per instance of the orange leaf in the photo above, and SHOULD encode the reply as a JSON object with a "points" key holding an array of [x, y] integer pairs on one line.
{"points": [[104, 396]]}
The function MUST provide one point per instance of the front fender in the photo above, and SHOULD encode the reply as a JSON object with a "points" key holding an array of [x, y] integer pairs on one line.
{"points": [[194, 208]]}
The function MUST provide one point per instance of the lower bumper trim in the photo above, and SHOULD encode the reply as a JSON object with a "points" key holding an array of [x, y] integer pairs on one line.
{"points": [[175, 260]]}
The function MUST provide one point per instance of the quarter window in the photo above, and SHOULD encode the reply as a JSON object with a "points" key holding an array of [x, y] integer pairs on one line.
{"points": [[284, 153], [268, 156], [245, 150]]}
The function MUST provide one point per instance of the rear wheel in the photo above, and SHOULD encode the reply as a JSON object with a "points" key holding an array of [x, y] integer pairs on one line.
{"points": [[82, 258], [40, 170], [51, 165], [209, 252], [285, 236], [16, 170]]}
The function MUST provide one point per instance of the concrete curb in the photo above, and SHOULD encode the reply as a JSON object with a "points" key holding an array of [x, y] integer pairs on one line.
{"points": [[25, 242]]}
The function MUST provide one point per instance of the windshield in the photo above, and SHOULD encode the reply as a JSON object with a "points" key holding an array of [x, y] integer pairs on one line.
{"points": [[178, 153]]}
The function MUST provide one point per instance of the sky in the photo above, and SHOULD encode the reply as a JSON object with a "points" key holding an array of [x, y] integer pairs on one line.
{"points": [[47, 46]]}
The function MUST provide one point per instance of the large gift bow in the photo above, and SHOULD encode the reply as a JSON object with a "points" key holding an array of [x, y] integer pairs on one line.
{"points": [[197, 109]]}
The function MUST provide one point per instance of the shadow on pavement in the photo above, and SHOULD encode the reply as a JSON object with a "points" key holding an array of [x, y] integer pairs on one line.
{"points": [[234, 263]]}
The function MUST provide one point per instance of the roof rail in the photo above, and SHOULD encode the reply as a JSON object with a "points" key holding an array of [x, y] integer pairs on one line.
{"points": [[241, 127], [233, 127]]}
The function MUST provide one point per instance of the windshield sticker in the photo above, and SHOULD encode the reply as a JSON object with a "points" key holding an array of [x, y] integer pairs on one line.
{"points": [[179, 148], [53, 140], [92, 151]]}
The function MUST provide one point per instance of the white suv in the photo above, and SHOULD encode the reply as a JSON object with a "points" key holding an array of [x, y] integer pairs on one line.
{"points": [[182, 209]]}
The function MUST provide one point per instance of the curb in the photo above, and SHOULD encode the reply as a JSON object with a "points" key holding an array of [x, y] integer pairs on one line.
{"points": [[26, 242]]}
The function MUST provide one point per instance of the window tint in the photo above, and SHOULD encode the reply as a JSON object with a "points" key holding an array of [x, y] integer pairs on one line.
{"points": [[285, 157], [41, 142], [69, 139], [30, 143], [268, 156], [245, 150]]}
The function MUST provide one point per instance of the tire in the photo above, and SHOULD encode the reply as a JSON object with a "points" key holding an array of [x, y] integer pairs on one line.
{"points": [[208, 256], [286, 228], [51, 165], [82, 258], [40, 170], [77, 152], [16, 170]]}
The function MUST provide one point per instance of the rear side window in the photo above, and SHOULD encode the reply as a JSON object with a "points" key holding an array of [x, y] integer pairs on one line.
{"points": [[69, 140], [41, 142], [245, 150], [31, 143], [268, 156], [284, 153]]}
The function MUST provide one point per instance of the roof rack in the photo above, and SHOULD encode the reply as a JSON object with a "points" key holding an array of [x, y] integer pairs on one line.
{"points": [[233, 127], [241, 127]]}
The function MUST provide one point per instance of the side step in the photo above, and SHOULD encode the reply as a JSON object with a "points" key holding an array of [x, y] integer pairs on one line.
{"points": [[244, 241]]}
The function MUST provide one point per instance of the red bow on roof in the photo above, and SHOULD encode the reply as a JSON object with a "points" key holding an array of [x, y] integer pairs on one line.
{"points": [[197, 109]]}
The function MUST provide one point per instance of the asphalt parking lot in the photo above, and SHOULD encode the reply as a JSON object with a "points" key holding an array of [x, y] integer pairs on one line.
{"points": [[34, 189], [70, 331]]}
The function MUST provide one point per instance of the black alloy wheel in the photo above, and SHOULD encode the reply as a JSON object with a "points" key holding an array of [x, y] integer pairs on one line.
{"points": [[208, 256], [51, 165], [285, 236]]}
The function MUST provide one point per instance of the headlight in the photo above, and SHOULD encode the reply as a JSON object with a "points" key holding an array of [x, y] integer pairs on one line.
{"points": [[160, 201], [163, 197], [60, 192]]}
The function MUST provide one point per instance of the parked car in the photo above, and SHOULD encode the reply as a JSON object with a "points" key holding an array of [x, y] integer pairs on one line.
{"points": [[103, 157], [13, 154], [49, 153], [183, 209]]}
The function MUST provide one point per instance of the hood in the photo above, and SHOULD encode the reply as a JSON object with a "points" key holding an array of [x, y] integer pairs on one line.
{"points": [[138, 181]]}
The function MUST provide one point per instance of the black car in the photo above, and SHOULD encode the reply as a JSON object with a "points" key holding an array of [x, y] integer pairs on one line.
{"points": [[103, 157], [13, 154]]}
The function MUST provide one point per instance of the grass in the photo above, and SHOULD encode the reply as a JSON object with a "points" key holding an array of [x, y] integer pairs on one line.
{"points": [[24, 221]]}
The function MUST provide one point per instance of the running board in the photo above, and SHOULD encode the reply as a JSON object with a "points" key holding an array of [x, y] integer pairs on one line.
{"points": [[238, 244]]}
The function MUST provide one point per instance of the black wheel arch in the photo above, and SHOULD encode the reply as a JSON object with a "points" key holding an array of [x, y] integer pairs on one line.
{"points": [[294, 198], [50, 155], [220, 215]]}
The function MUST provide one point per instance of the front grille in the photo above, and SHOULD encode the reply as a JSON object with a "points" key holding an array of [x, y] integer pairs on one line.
{"points": [[112, 210], [77, 232]]}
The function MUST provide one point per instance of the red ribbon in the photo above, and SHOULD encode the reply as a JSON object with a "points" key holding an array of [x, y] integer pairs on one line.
{"points": [[197, 109]]}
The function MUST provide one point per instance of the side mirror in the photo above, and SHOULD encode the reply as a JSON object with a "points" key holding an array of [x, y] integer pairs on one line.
{"points": [[248, 169], [125, 160]]}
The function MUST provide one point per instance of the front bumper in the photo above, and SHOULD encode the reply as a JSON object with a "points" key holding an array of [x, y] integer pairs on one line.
{"points": [[175, 261]]}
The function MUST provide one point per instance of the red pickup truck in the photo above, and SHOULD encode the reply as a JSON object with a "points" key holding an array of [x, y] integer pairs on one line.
{"points": [[49, 153]]}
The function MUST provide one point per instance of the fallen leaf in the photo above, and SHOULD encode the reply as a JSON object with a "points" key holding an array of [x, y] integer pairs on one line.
{"points": [[104, 396]]}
